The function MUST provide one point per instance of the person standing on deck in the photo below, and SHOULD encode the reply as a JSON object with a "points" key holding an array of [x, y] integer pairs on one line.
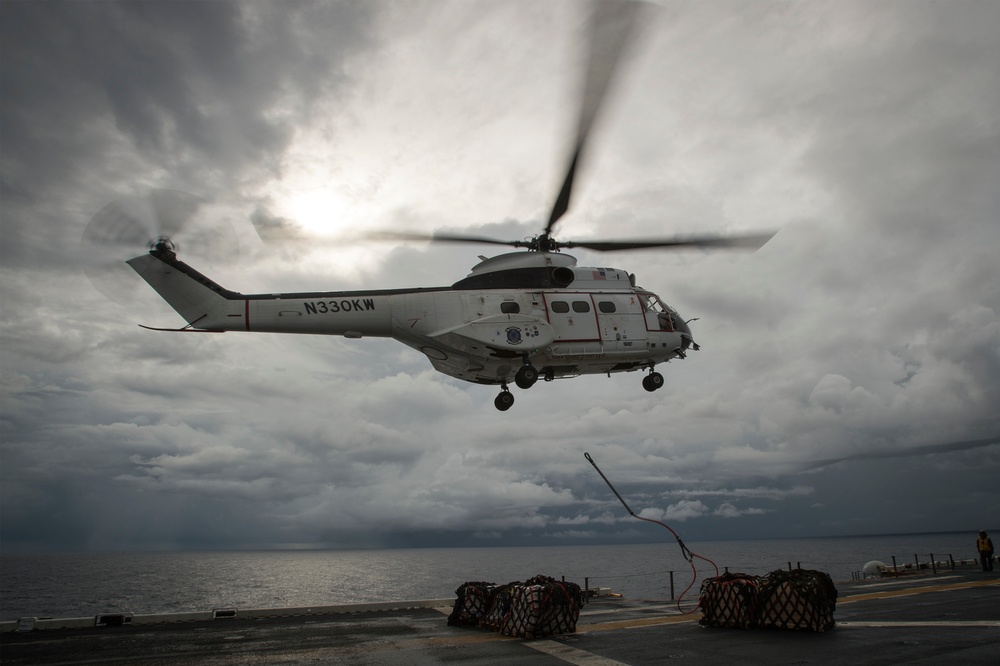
{"points": [[985, 548]]}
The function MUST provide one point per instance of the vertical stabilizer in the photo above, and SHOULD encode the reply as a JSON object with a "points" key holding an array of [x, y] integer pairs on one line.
{"points": [[196, 298]]}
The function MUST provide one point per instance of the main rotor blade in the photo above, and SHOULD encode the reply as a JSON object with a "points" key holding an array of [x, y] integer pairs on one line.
{"points": [[749, 241], [906, 451], [439, 237], [611, 25]]}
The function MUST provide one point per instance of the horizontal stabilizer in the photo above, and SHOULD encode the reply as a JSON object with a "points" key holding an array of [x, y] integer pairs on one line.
{"points": [[184, 329]]}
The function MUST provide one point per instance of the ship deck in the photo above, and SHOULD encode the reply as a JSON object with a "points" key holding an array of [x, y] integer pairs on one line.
{"points": [[950, 617]]}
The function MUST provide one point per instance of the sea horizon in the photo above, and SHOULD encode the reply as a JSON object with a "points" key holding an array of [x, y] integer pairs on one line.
{"points": [[79, 584], [25, 549]]}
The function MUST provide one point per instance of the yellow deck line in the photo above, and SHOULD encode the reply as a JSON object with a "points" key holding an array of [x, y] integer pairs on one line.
{"points": [[883, 594], [887, 594], [639, 623]]}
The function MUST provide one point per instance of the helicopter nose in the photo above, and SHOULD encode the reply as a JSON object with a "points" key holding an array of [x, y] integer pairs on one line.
{"points": [[687, 338], [682, 327]]}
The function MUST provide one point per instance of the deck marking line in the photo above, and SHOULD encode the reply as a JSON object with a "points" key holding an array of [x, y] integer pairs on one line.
{"points": [[668, 609], [634, 624], [911, 624], [886, 594], [491, 637], [895, 583], [572, 655]]}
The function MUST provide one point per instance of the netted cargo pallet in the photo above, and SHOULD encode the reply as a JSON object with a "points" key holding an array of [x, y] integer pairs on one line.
{"points": [[472, 604], [802, 600], [730, 601], [499, 608], [540, 606]]}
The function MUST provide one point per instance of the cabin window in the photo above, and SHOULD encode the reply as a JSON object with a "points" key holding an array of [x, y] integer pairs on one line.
{"points": [[560, 306], [581, 306], [510, 307], [606, 307]]}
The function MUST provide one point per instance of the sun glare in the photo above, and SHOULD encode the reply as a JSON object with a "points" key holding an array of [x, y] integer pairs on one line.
{"points": [[319, 212], [329, 225]]}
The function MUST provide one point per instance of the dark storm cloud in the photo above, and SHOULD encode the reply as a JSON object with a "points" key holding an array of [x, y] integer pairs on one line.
{"points": [[202, 96], [834, 360]]}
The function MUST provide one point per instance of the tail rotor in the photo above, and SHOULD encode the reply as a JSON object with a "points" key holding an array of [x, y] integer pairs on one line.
{"points": [[159, 218]]}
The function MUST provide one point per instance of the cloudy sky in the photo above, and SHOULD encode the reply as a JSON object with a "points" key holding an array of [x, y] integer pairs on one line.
{"points": [[849, 376]]}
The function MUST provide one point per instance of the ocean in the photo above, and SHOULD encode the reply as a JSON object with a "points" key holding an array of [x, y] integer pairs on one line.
{"points": [[85, 584]]}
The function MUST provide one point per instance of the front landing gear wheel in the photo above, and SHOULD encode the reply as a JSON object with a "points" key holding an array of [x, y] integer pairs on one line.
{"points": [[504, 401], [652, 381], [526, 376]]}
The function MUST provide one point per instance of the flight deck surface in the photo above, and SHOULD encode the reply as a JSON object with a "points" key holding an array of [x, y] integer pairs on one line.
{"points": [[951, 617]]}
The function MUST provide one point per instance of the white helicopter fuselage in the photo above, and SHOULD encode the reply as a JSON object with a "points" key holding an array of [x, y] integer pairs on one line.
{"points": [[520, 316], [517, 309]]}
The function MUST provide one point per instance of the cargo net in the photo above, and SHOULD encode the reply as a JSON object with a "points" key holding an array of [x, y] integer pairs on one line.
{"points": [[800, 600], [540, 606], [472, 604], [730, 601]]}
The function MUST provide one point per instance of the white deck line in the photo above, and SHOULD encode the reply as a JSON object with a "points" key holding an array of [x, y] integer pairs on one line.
{"points": [[204, 616]]}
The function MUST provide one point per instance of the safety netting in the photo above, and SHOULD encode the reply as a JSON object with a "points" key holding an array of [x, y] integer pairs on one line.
{"points": [[540, 606], [801, 599], [730, 601], [472, 604]]}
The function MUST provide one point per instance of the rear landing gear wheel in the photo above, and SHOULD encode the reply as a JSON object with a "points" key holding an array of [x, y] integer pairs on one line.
{"points": [[526, 376], [652, 381], [504, 401]]}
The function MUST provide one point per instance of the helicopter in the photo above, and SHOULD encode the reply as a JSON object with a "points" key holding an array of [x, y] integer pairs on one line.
{"points": [[514, 319]]}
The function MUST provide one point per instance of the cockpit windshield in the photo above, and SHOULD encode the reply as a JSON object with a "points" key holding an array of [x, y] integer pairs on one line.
{"points": [[658, 311], [650, 302]]}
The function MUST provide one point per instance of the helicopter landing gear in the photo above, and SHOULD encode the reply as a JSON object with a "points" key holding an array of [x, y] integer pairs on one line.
{"points": [[652, 381], [526, 376], [504, 401]]}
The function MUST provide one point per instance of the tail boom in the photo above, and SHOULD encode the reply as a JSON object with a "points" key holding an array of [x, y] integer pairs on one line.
{"points": [[206, 306]]}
